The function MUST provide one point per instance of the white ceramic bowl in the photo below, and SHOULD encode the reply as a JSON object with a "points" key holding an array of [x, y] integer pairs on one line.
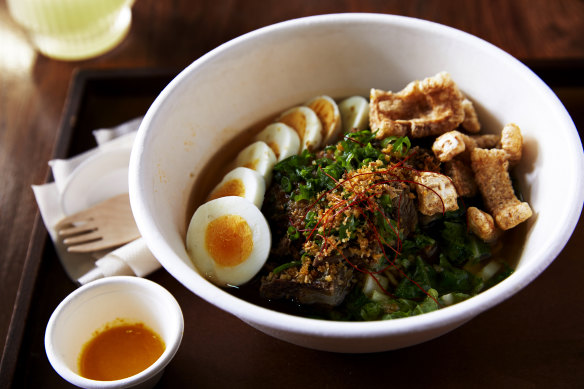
{"points": [[92, 306], [263, 72]]}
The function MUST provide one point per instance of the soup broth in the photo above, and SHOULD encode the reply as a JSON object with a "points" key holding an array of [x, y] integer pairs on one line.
{"points": [[218, 165]]}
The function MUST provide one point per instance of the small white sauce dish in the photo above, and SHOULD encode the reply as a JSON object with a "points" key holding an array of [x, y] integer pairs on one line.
{"points": [[93, 305]]}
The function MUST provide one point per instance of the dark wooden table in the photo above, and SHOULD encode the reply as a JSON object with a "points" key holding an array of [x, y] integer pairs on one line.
{"points": [[536, 339]]}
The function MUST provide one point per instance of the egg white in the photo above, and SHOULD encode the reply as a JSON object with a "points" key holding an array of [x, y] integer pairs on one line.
{"points": [[252, 183], [257, 156], [354, 113], [283, 140], [196, 240]]}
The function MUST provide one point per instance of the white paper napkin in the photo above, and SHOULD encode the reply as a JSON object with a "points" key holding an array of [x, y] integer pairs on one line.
{"points": [[133, 258]]}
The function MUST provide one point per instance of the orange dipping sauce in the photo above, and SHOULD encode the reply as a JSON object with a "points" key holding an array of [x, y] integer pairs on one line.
{"points": [[120, 351]]}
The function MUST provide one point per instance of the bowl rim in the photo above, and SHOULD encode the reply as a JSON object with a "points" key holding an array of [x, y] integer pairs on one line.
{"points": [[277, 321]]}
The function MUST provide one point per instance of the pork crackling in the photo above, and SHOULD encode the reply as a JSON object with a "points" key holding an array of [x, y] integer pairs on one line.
{"points": [[454, 143], [491, 167], [429, 107]]}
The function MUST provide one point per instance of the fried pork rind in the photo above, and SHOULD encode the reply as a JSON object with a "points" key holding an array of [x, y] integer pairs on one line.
{"points": [[436, 193], [485, 141], [512, 142], [429, 107], [454, 143], [449, 145], [462, 177], [492, 177], [482, 224], [471, 120]]}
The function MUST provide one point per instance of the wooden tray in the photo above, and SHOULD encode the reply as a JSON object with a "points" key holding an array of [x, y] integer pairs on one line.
{"points": [[534, 339]]}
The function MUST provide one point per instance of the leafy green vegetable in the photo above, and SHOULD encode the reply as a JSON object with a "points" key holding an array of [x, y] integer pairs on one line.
{"points": [[351, 307], [410, 308], [455, 280], [454, 242], [428, 305], [423, 277], [452, 298], [400, 145], [500, 276], [370, 311], [479, 249], [418, 243], [460, 246]]}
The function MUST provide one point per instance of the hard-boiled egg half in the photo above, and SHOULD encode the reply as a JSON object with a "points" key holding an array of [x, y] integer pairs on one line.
{"points": [[281, 138], [306, 123], [330, 117], [242, 182], [354, 113], [228, 240], [257, 156]]}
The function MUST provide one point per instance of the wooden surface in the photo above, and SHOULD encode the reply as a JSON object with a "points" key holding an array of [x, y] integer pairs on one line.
{"points": [[171, 34]]}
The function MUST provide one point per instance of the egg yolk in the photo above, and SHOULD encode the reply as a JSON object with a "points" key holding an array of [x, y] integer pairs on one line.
{"points": [[296, 120], [228, 239], [120, 351], [252, 164], [233, 187], [323, 111], [275, 148]]}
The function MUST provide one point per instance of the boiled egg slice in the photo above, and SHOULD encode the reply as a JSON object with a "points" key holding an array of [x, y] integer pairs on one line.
{"points": [[328, 112], [282, 139], [354, 113], [257, 156], [228, 240], [242, 182], [306, 123]]}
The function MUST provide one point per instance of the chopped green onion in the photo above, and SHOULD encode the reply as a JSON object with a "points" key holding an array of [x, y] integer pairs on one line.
{"points": [[286, 266], [293, 233]]}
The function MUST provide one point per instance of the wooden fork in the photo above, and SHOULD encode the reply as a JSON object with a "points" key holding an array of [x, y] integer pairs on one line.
{"points": [[103, 226]]}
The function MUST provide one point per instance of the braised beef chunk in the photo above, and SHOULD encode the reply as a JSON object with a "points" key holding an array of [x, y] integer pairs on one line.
{"points": [[278, 209], [405, 211], [423, 160], [324, 290]]}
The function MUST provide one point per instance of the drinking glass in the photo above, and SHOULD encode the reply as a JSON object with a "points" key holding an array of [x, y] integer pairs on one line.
{"points": [[73, 29]]}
